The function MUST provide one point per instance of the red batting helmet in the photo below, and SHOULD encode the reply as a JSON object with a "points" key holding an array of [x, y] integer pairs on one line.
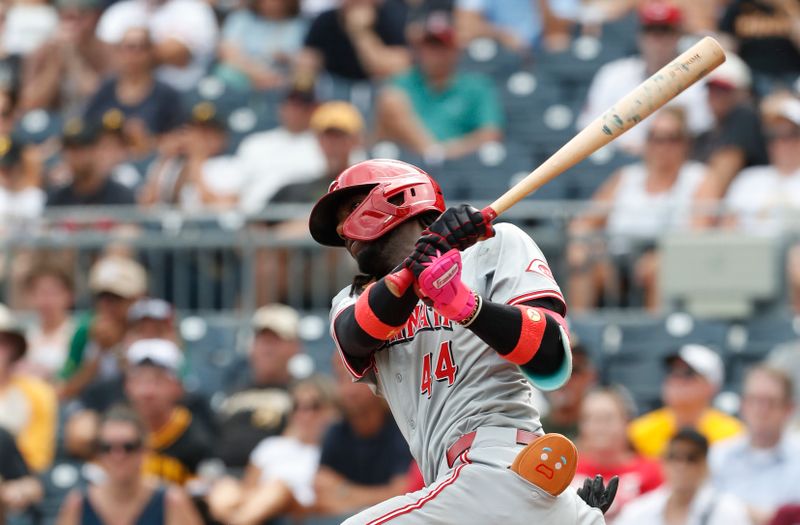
{"points": [[397, 191]]}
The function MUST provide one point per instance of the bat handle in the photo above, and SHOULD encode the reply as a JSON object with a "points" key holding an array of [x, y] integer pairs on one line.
{"points": [[398, 282], [489, 215]]}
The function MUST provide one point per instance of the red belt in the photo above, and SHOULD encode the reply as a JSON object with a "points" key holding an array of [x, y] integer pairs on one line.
{"points": [[462, 444]]}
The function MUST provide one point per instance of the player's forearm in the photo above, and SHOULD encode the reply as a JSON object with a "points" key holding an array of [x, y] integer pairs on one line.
{"points": [[366, 326], [503, 328]]}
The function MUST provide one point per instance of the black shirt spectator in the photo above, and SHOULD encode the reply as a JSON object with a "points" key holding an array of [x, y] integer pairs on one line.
{"points": [[247, 417], [764, 32], [366, 461], [740, 129], [159, 111], [327, 36], [110, 193], [12, 466]]}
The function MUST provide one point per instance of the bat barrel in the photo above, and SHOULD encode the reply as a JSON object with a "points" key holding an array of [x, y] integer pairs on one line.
{"points": [[671, 80]]}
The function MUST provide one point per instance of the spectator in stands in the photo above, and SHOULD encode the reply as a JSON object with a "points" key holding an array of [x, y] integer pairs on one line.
{"points": [[359, 40], [151, 318], [434, 109], [687, 498], [287, 154], [762, 467], [184, 35], [9, 97], [280, 474], [604, 448], [786, 357], [565, 403], [204, 177], [28, 405], [127, 495], [26, 25], [694, 375], [658, 41], [258, 408], [90, 183], [259, 42], [767, 36], [177, 442], [49, 290], [519, 24], [364, 457], [762, 198], [149, 106], [339, 129], [787, 515], [66, 70], [21, 197], [18, 488], [635, 206], [96, 348], [735, 142]]}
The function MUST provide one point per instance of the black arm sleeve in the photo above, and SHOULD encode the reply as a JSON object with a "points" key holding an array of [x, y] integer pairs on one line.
{"points": [[394, 311], [500, 326]]}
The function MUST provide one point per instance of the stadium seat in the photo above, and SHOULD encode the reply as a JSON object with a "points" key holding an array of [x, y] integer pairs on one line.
{"points": [[749, 343], [585, 178], [211, 349], [488, 57]]}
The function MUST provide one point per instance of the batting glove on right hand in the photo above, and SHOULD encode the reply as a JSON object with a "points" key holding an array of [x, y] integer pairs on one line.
{"points": [[596, 495]]}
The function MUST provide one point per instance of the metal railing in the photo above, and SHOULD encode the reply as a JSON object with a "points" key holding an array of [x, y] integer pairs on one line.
{"points": [[226, 261]]}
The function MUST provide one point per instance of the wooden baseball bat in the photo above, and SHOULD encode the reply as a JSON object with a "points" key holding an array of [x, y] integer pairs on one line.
{"points": [[671, 80]]}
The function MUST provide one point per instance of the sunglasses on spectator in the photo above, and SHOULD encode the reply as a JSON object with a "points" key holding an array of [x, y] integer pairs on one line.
{"points": [[672, 138], [128, 447], [682, 372], [781, 135], [691, 458]]}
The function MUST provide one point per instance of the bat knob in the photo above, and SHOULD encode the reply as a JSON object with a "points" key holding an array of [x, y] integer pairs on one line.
{"points": [[398, 282]]}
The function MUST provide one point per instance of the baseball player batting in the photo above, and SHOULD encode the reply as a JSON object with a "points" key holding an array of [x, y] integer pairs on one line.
{"points": [[459, 367]]}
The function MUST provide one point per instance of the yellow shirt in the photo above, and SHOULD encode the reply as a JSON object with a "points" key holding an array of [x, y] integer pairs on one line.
{"points": [[651, 432], [28, 409]]}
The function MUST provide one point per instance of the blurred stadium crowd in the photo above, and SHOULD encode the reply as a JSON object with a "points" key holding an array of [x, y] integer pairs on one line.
{"points": [[157, 163]]}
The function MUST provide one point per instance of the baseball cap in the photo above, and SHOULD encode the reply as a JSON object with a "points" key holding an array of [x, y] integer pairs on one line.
{"points": [[10, 151], [339, 115], [149, 308], [118, 275], [156, 352], [787, 108], [438, 27], [80, 132], [660, 14], [702, 360], [10, 327], [278, 318], [731, 74]]}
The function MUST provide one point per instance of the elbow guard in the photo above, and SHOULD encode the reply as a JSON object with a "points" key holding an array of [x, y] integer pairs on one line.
{"points": [[539, 326]]}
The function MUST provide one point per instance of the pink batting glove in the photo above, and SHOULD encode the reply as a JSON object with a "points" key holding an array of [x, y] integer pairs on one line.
{"points": [[441, 282]]}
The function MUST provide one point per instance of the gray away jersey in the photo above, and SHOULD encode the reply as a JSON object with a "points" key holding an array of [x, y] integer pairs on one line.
{"points": [[440, 380]]}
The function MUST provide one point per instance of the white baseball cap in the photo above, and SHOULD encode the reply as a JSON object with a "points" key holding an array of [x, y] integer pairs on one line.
{"points": [[278, 318], [157, 352], [118, 275], [787, 107], [731, 74], [703, 361]]}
